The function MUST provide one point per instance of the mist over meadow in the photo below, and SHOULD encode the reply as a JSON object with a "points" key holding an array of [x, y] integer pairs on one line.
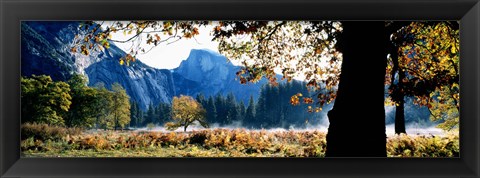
{"points": [[416, 125]]}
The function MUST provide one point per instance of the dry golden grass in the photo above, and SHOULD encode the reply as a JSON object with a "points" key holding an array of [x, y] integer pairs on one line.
{"points": [[223, 143]]}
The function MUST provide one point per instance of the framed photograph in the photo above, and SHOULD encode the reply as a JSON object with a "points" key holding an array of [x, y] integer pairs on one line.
{"points": [[239, 88]]}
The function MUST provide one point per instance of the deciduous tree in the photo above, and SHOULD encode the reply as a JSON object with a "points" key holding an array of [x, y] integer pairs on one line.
{"points": [[83, 108], [185, 111], [104, 118], [44, 100], [426, 60], [120, 107]]}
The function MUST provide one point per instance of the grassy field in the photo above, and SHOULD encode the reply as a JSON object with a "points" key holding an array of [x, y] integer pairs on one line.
{"points": [[215, 143]]}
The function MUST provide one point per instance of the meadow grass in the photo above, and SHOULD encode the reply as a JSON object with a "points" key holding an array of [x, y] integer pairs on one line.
{"points": [[221, 143]]}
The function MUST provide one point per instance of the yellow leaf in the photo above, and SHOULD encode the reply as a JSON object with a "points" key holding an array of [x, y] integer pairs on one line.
{"points": [[453, 49]]}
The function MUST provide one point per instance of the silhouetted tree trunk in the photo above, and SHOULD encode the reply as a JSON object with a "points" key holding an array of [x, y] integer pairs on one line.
{"points": [[398, 95], [115, 120], [400, 107], [357, 120]]}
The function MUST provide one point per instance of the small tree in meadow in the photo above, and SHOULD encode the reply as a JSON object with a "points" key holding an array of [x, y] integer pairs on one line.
{"points": [[185, 111]]}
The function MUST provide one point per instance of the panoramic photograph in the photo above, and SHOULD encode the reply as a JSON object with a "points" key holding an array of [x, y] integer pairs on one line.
{"points": [[240, 89]]}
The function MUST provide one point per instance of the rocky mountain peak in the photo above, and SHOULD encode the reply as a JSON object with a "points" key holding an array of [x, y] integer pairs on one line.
{"points": [[203, 64]]}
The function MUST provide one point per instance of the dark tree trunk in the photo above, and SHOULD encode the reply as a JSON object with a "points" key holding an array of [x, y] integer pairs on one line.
{"points": [[357, 120], [115, 123], [400, 108], [185, 126], [400, 118], [398, 95]]}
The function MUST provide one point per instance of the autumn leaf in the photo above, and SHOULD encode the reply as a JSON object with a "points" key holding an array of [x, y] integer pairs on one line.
{"points": [[453, 50], [307, 100], [294, 100], [243, 80], [195, 31], [217, 28]]}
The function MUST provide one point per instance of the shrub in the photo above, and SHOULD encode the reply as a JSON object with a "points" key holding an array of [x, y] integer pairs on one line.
{"points": [[46, 132], [198, 138], [150, 126], [423, 146], [94, 142], [226, 142]]}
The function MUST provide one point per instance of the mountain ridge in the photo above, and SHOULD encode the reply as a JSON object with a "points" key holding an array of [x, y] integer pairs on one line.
{"points": [[214, 74], [46, 50]]}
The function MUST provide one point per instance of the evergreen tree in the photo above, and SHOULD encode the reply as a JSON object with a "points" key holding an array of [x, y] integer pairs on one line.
{"points": [[250, 112], [163, 113], [211, 110], [134, 114], [201, 99], [221, 109], [140, 117], [232, 110], [273, 102], [261, 109], [150, 115], [242, 110]]}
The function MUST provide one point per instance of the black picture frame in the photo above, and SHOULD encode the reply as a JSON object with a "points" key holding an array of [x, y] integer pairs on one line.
{"points": [[14, 11]]}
